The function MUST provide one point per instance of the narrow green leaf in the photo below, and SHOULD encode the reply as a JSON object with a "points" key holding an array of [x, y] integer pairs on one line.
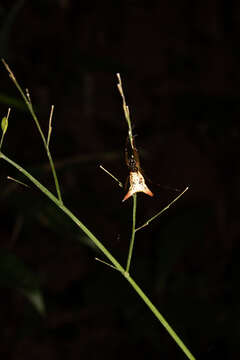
{"points": [[4, 124]]}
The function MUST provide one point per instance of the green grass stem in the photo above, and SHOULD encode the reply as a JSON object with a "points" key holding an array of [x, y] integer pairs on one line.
{"points": [[130, 251]]}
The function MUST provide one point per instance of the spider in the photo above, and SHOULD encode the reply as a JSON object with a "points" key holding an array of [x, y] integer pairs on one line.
{"points": [[136, 179]]}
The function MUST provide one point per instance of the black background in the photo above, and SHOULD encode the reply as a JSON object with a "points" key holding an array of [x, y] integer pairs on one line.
{"points": [[179, 62]]}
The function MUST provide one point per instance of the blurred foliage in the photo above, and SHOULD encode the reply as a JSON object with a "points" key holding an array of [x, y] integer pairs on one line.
{"points": [[12, 102], [16, 275]]}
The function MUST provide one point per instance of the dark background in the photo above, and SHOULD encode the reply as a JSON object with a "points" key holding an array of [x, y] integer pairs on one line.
{"points": [[179, 62]]}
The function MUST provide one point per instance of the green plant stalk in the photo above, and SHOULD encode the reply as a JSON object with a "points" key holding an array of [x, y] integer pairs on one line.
{"points": [[162, 320], [131, 281], [130, 251], [1, 141], [29, 105], [34, 116], [130, 134], [125, 109], [102, 248]]}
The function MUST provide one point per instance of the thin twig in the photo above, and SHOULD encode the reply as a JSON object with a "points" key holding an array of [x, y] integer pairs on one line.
{"points": [[106, 263], [162, 211], [17, 181], [125, 109], [110, 174], [8, 113], [50, 125]]}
